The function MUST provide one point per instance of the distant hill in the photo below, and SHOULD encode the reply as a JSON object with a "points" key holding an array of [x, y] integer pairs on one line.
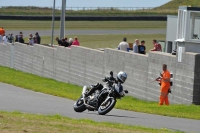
{"points": [[174, 4]]}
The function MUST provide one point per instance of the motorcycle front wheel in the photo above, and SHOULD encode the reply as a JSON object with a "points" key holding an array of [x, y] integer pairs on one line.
{"points": [[107, 106], [79, 105]]}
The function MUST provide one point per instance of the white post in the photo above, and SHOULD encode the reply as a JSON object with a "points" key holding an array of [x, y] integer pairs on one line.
{"points": [[62, 20], [53, 16]]}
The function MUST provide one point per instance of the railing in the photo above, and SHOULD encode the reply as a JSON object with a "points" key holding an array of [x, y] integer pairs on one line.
{"points": [[109, 8], [84, 8]]}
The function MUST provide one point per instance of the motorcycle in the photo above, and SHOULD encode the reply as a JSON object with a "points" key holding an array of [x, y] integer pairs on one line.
{"points": [[102, 98]]}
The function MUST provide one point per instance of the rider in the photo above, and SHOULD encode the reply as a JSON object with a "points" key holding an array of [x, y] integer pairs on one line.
{"points": [[121, 78]]}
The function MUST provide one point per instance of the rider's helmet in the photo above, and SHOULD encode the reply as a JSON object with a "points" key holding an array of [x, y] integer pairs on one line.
{"points": [[121, 76]]}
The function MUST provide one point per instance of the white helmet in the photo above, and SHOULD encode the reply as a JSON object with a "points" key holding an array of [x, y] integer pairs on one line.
{"points": [[121, 76]]}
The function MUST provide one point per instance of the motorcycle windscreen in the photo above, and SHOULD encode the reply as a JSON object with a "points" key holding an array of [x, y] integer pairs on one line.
{"points": [[119, 89]]}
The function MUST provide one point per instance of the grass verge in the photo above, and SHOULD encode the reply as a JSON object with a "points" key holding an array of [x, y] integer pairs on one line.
{"points": [[50, 86], [18, 122]]}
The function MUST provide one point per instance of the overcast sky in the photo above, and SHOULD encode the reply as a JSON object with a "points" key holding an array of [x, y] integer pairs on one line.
{"points": [[86, 3]]}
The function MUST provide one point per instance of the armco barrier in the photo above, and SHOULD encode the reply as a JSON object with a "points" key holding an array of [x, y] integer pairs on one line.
{"points": [[84, 66]]}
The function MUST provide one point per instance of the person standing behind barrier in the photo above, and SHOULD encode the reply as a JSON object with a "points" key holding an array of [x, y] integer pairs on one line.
{"points": [[30, 40], [70, 41], [5, 40], [1, 38], [64, 43], [135, 46], [165, 85], [157, 47], [59, 41], [21, 39], [142, 48], [20, 33], [76, 42], [124, 46], [10, 38], [2, 31], [16, 38], [37, 38]]}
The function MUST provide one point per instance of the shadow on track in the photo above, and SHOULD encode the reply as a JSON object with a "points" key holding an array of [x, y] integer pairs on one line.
{"points": [[109, 115]]}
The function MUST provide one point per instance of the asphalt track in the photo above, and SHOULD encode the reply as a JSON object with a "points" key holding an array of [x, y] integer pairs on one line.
{"points": [[87, 32], [17, 99]]}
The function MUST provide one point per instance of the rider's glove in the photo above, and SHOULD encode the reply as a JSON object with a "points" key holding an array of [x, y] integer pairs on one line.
{"points": [[105, 79]]}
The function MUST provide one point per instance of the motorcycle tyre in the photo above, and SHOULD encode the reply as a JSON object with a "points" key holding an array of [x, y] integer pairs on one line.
{"points": [[109, 108], [79, 108]]}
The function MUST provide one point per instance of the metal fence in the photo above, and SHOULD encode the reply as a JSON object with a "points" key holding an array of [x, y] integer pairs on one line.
{"points": [[84, 8], [108, 8]]}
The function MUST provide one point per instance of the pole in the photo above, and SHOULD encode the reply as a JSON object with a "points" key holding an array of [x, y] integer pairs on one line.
{"points": [[53, 16], [62, 20]]}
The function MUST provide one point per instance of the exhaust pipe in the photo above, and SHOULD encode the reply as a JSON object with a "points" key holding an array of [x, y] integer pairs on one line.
{"points": [[83, 94]]}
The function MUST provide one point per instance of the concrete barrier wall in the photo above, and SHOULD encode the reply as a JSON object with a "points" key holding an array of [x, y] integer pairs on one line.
{"points": [[5, 55], [62, 64], [84, 66]]}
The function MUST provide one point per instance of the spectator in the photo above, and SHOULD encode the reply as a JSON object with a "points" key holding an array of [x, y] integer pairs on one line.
{"points": [[1, 38], [142, 48], [76, 42], [30, 40], [165, 85], [2, 31], [20, 33], [10, 38], [59, 41], [70, 41], [123, 45], [66, 39], [135, 46], [21, 39], [38, 38], [5, 40], [157, 47], [16, 38], [34, 39], [65, 43]]}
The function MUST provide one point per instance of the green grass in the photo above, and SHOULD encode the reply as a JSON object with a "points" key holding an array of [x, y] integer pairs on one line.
{"points": [[82, 25], [38, 11], [174, 4], [50, 86], [109, 41], [19, 122]]}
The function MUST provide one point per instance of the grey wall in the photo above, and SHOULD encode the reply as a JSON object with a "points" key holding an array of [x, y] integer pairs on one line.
{"points": [[84, 66]]}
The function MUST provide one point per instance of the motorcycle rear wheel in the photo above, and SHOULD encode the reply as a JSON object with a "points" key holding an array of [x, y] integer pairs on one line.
{"points": [[107, 107], [79, 105]]}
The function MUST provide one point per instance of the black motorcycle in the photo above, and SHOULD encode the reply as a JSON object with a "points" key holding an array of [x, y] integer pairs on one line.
{"points": [[103, 98]]}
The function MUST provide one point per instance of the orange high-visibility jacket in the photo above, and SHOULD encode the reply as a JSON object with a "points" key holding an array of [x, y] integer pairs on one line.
{"points": [[165, 85]]}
